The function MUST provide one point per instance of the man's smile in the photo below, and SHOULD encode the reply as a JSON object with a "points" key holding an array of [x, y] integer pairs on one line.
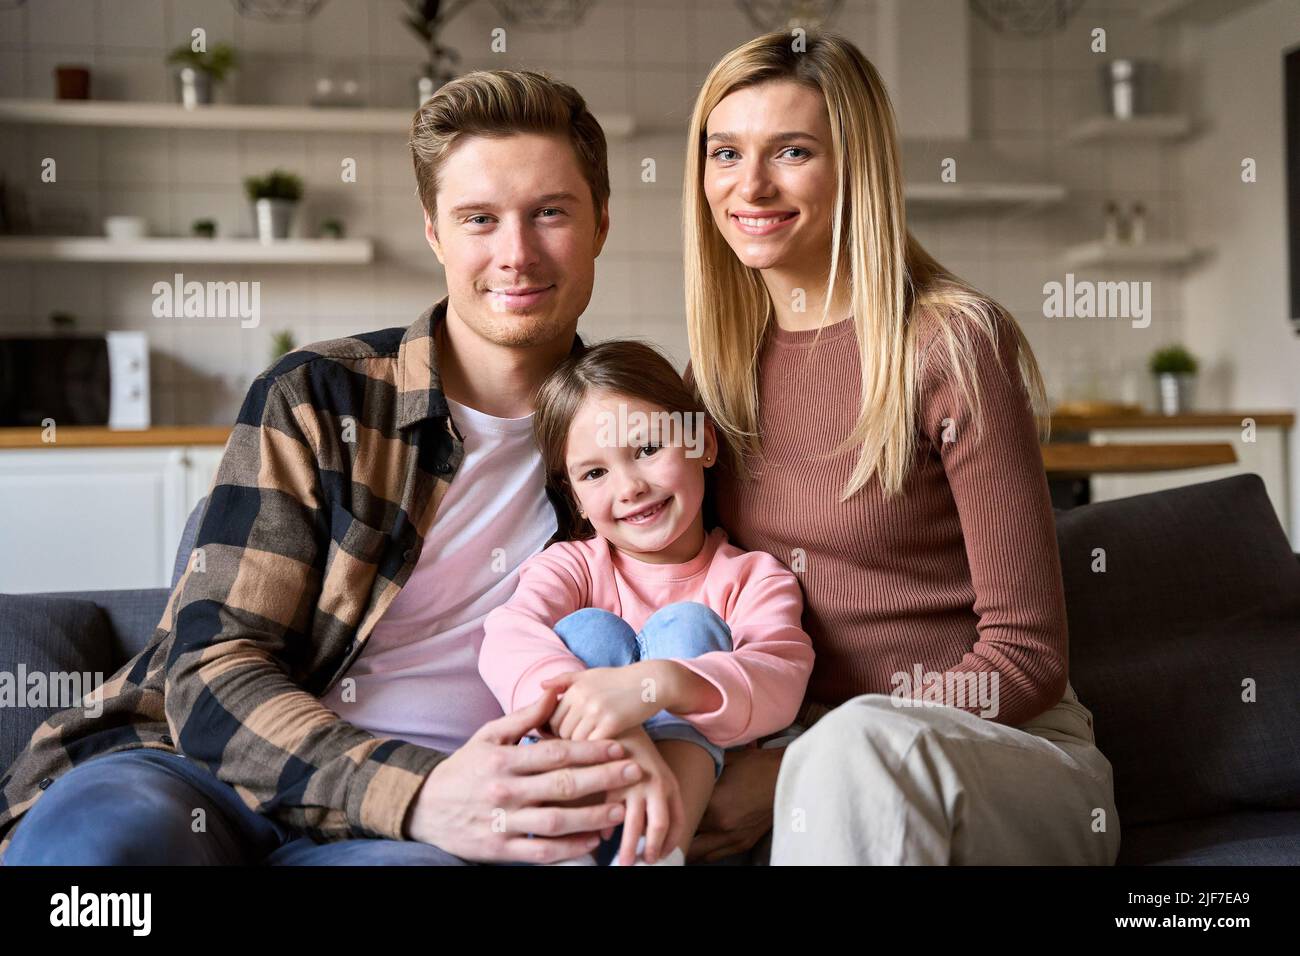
{"points": [[518, 297]]}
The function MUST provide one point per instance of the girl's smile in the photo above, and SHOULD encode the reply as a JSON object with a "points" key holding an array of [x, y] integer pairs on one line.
{"points": [[647, 515], [641, 490]]}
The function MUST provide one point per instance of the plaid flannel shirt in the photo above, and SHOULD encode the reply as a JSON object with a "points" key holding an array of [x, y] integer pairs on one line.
{"points": [[327, 489]]}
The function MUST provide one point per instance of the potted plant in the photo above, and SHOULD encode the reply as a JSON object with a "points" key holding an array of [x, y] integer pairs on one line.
{"points": [[199, 72], [426, 18], [331, 228], [282, 343], [1175, 371], [71, 82], [204, 228], [275, 197]]}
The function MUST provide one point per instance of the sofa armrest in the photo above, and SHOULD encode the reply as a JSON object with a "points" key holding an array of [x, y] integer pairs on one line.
{"points": [[186, 544]]}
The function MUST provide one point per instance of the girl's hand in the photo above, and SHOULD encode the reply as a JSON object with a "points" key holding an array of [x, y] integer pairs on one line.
{"points": [[602, 702], [653, 804]]}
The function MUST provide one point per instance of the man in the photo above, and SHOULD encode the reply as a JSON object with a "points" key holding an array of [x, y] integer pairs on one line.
{"points": [[311, 694]]}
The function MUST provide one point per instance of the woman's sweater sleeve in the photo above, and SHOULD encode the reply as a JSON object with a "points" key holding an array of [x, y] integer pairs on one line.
{"points": [[520, 648], [763, 679], [1000, 490]]}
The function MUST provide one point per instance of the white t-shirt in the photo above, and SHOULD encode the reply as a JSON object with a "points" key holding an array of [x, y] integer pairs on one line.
{"points": [[417, 677]]}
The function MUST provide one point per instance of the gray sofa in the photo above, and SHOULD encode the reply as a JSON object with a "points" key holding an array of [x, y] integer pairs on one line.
{"points": [[1198, 601]]}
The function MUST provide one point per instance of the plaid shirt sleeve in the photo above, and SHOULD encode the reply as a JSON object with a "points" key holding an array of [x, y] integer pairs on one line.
{"points": [[249, 632]]}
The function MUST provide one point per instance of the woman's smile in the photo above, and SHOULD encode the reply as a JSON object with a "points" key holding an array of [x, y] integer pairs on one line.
{"points": [[759, 223]]}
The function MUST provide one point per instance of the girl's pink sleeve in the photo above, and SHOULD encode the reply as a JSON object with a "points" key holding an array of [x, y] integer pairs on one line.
{"points": [[520, 649], [762, 680]]}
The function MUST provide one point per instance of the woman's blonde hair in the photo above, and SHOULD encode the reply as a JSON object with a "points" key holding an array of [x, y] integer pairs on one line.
{"points": [[891, 276]]}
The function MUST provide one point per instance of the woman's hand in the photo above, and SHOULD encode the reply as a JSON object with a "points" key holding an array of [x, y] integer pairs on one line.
{"points": [[602, 702], [740, 810], [653, 805]]}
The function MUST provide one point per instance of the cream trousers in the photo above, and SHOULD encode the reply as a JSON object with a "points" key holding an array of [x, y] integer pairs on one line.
{"points": [[872, 782]]}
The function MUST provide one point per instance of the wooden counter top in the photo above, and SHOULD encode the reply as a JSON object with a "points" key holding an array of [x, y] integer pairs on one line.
{"points": [[1060, 459], [1079, 459], [1083, 423], [101, 436]]}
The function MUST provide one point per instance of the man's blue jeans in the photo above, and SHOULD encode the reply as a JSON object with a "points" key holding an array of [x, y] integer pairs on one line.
{"points": [[148, 807], [140, 808], [683, 630]]}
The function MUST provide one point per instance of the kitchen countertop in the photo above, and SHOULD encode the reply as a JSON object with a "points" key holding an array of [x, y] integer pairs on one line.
{"points": [[101, 436], [1081, 460]]}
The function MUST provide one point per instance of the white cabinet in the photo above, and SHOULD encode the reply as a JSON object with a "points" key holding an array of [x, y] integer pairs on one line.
{"points": [[201, 468], [1265, 453], [74, 519]]}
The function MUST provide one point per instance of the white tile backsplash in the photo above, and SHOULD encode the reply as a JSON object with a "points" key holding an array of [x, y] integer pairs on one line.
{"points": [[605, 35], [135, 157], [339, 30], [664, 34], [216, 19], [62, 23], [647, 58], [131, 75], [130, 24], [73, 152]]}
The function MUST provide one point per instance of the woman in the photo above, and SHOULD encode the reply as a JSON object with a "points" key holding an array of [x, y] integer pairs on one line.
{"points": [[879, 415]]}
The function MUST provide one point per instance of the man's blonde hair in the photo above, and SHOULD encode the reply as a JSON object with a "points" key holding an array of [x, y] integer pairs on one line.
{"points": [[499, 103]]}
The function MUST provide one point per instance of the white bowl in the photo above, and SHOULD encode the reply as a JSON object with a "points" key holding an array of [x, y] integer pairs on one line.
{"points": [[125, 227]]}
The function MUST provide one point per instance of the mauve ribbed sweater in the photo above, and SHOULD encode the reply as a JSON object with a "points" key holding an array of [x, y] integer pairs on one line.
{"points": [[960, 572]]}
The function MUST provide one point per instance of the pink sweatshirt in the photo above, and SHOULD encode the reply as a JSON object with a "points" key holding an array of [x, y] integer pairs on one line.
{"points": [[761, 680]]}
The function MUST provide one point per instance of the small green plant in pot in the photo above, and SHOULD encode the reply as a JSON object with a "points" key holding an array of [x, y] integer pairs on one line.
{"points": [[1175, 370], [198, 72], [282, 343], [275, 198]]}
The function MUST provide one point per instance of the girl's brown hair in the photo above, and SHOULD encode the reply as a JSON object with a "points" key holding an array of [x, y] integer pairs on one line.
{"points": [[623, 367]]}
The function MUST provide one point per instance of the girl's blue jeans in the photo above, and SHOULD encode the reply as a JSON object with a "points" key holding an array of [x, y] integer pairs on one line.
{"points": [[683, 630]]}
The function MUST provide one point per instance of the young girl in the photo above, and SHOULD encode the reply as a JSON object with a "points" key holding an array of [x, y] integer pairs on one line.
{"points": [[656, 630]]}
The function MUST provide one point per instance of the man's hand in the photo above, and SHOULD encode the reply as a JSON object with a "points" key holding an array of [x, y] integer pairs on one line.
{"points": [[602, 702], [740, 811], [482, 802]]}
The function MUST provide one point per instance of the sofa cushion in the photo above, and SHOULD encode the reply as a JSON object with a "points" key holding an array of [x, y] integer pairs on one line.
{"points": [[1200, 594], [133, 617], [1180, 556], [1170, 716], [50, 647], [1248, 838]]}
